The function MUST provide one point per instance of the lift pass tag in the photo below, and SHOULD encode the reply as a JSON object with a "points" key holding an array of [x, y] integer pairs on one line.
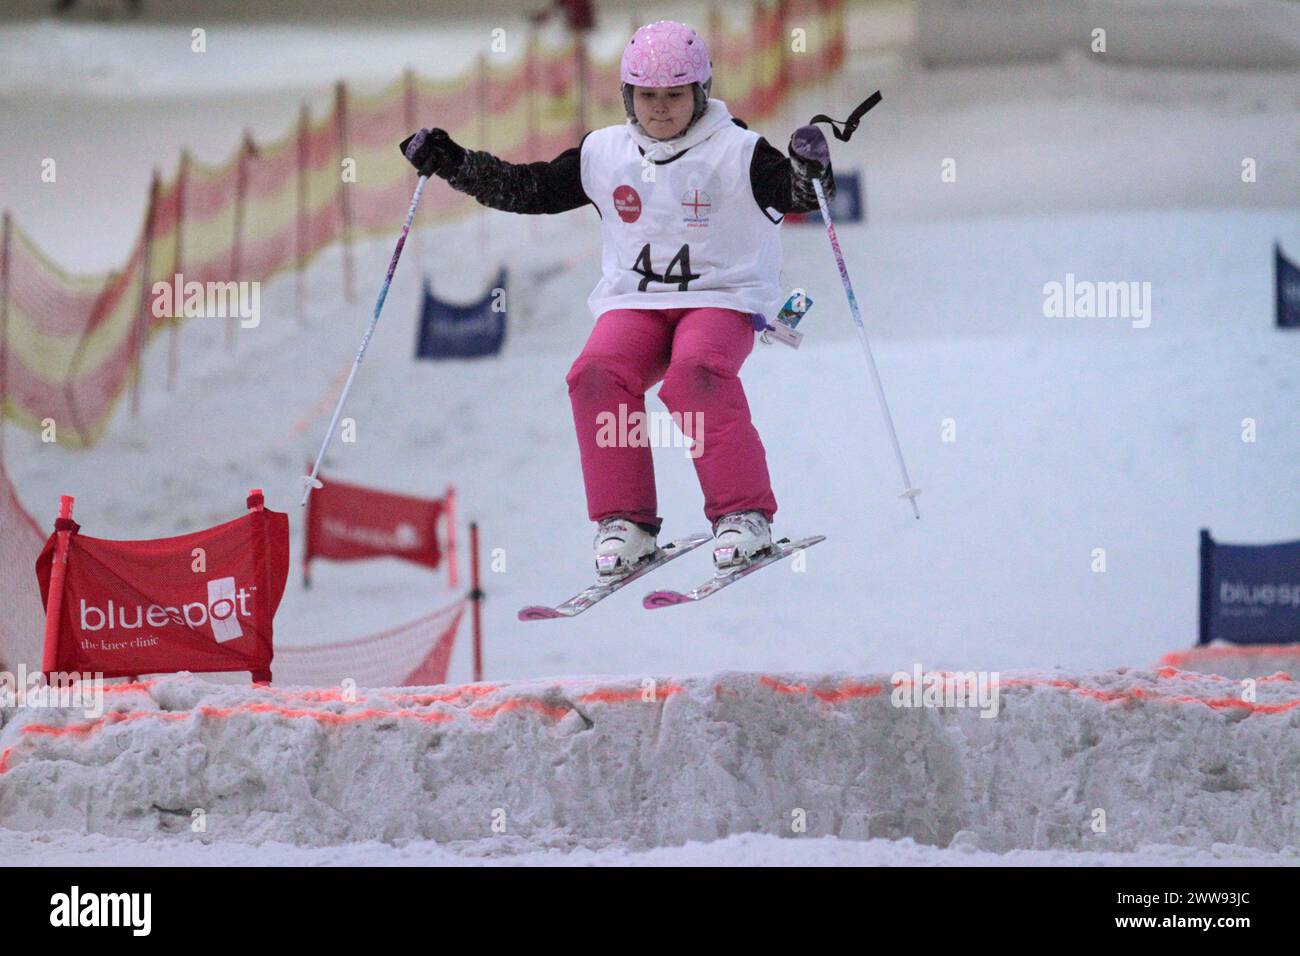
{"points": [[785, 335], [783, 330]]}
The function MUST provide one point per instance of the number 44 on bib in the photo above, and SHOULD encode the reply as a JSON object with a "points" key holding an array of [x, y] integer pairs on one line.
{"points": [[681, 262]]}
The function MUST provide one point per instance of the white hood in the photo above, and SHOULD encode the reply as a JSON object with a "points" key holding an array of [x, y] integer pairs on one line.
{"points": [[715, 117]]}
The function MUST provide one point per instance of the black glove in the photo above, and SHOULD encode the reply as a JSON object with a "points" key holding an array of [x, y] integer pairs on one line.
{"points": [[433, 152], [808, 147]]}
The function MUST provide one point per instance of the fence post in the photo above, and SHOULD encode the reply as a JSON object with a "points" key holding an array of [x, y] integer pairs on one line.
{"points": [[300, 235], [453, 573], [5, 228], [476, 596], [256, 501], [142, 315], [58, 574], [345, 194], [236, 249], [174, 348]]}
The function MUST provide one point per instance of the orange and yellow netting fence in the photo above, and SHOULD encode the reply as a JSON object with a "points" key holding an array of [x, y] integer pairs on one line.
{"points": [[71, 345]]}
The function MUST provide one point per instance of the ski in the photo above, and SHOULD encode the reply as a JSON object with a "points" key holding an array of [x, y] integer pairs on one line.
{"points": [[782, 549], [597, 592]]}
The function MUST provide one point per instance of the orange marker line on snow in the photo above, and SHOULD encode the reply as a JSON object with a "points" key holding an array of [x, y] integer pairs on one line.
{"points": [[631, 695], [519, 703], [849, 691]]}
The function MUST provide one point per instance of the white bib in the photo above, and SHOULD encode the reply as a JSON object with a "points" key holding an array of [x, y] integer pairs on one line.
{"points": [[691, 237]]}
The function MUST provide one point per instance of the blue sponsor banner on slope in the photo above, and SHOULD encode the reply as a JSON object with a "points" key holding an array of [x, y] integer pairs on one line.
{"points": [[846, 204], [1250, 593], [448, 330], [1287, 275]]}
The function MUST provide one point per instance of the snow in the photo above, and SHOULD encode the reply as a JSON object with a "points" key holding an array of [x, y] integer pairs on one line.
{"points": [[1071, 435], [654, 761], [67, 848]]}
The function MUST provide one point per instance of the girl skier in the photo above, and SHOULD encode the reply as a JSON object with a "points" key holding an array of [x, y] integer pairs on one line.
{"points": [[690, 202]]}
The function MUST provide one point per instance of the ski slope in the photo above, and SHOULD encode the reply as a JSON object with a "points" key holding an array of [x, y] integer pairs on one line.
{"points": [[1071, 435]]}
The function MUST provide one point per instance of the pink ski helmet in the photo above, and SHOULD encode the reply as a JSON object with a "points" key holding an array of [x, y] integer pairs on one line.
{"points": [[663, 54]]}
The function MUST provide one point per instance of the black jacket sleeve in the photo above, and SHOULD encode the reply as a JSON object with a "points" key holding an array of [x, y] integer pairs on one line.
{"points": [[522, 187], [782, 183]]}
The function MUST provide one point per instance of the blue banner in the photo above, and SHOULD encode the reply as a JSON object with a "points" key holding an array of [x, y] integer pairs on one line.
{"points": [[450, 331], [846, 204], [1250, 593], [1287, 275]]}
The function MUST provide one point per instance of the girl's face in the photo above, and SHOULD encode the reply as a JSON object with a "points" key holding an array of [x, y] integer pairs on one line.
{"points": [[663, 112]]}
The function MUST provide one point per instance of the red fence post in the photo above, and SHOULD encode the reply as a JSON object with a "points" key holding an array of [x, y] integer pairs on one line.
{"points": [[453, 573], [54, 600], [257, 502], [236, 249], [5, 229], [300, 236], [345, 194], [476, 596], [174, 348], [142, 316]]}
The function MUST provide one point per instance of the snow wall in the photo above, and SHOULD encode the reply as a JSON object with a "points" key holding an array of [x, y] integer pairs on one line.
{"points": [[1169, 756]]}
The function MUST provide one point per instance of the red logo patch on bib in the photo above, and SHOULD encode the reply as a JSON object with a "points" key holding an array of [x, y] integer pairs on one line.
{"points": [[627, 204]]}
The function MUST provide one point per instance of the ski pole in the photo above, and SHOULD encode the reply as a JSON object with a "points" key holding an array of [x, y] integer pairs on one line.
{"points": [[311, 481], [909, 492]]}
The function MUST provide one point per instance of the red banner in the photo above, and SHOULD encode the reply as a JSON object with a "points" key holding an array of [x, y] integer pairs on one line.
{"points": [[199, 602], [348, 522]]}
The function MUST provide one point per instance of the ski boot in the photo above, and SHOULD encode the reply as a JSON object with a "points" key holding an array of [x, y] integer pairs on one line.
{"points": [[739, 538], [620, 546]]}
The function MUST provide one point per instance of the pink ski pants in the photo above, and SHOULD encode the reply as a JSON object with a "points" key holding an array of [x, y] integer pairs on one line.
{"points": [[697, 353]]}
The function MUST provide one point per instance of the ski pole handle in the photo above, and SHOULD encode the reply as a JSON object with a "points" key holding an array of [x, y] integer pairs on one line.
{"points": [[311, 481]]}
